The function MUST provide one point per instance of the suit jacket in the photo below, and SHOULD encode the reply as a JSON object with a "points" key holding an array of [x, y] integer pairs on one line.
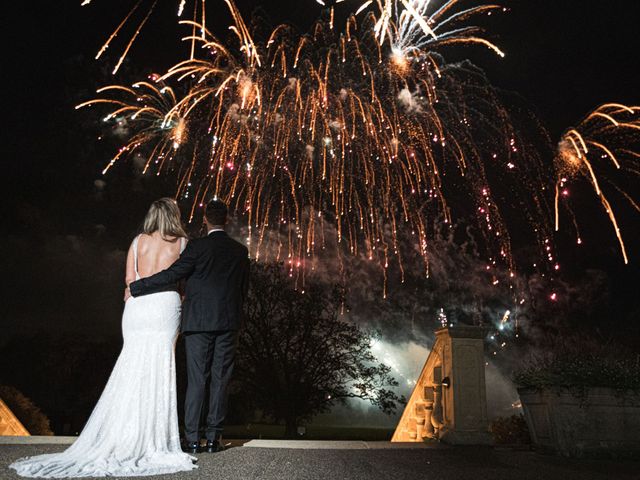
{"points": [[217, 272]]}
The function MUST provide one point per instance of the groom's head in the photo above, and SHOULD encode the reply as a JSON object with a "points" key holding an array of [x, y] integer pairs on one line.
{"points": [[216, 214]]}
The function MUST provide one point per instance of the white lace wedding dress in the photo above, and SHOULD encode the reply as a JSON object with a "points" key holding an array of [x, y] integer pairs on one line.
{"points": [[133, 430]]}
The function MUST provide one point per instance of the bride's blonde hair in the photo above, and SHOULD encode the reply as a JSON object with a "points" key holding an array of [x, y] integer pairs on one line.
{"points": [[164, 217]]}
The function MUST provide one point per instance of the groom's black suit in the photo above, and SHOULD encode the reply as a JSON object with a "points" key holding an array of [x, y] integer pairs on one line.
{"points": [[217, 272]]}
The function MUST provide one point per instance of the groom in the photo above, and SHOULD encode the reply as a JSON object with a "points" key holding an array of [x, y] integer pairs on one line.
{"points": [[217, 271]]}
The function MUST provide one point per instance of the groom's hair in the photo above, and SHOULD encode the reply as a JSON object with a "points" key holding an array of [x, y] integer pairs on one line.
{"points": [[216, 212]]}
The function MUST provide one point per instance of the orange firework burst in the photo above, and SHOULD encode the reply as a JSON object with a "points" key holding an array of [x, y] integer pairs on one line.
{"points": [[299, 133], [606, 140], [152, 110]]}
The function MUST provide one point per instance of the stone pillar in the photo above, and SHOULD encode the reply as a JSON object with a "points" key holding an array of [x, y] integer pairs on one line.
{"points": [[464, 395], [450, 392]]}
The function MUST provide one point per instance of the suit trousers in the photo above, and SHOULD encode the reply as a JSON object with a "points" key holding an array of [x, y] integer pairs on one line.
{"points": [[210, 358]]}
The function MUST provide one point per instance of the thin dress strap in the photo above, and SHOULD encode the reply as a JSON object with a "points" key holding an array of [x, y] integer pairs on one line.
{"points": [[135, 256]]}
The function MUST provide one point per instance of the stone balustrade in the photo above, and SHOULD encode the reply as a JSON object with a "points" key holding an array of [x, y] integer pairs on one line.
{"points": [[449, 401], [9, 424]]}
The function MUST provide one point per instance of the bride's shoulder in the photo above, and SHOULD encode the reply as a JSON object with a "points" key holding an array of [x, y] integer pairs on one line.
{"points": [[135, 240], [140, 238], [144, 241]]}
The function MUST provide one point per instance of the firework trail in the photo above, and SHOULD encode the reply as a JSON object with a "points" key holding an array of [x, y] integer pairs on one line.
{"points": [[607, 140], [367, 129], [199, 14]]}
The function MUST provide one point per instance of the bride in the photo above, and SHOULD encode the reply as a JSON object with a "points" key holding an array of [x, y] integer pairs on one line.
{"points": [[133, 429]]}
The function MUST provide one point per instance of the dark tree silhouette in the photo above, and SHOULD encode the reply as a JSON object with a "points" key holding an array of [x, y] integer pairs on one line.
{"points": [[297, 358], [26, 411], [64, 375]]}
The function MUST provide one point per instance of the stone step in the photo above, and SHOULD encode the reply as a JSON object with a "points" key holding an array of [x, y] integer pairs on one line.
{"points": [[337, 445]]}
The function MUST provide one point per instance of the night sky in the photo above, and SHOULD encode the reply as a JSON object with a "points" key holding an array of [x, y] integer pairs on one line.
{"points": [[65, 239]]}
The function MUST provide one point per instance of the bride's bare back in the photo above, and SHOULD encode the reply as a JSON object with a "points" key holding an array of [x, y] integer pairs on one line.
{"points": [[154, 255]]}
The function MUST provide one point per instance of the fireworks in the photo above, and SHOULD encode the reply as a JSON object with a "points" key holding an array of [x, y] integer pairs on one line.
{"points": [[329, 3], [367, 130], [199, 13], [150, 109], [607, 140], [413, 26]]}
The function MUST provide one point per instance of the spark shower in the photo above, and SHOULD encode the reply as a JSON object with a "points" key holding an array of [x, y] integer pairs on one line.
{"points": [[349, 139]]}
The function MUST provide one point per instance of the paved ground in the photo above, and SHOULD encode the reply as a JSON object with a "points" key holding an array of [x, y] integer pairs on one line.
{"points": [[241, 463]]}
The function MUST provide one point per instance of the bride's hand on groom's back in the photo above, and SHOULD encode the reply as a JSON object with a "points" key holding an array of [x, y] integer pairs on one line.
{"points": [[127, 294]]}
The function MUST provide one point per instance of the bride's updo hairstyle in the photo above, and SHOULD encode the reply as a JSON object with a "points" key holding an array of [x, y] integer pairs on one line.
{"points": [[164, 217]]}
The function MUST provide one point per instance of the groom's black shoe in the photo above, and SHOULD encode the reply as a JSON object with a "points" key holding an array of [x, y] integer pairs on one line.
{"points": [[214, 446], [191, 447]]}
